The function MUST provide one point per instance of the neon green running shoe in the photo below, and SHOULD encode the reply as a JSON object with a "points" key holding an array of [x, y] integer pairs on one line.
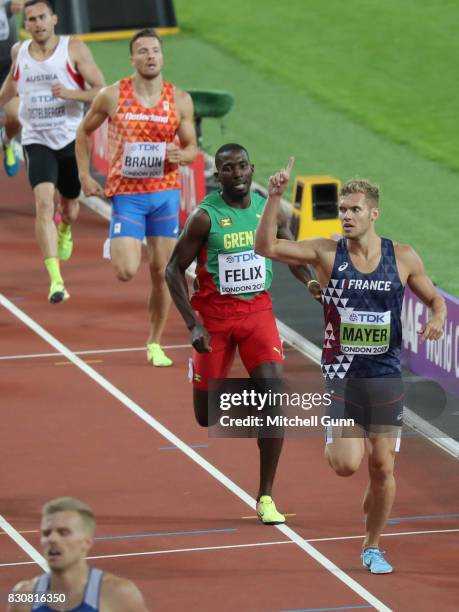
{"points": [[157, 357], [267, 511], [64, 243], [57, 293]]}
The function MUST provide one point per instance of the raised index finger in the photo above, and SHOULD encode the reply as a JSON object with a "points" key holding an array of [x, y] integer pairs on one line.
{"points": [[289, 168]]}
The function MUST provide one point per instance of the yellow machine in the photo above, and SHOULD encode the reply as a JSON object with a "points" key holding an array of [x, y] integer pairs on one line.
{"points": [[315, 207]]}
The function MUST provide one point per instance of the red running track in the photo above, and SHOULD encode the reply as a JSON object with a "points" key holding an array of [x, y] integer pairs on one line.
{"points": [[164, 521]]}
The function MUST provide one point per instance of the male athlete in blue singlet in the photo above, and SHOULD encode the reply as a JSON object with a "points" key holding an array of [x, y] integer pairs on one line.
{"points": [[67, 530], [362, 278]]}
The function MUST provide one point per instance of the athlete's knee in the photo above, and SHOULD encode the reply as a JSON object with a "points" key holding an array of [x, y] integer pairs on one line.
{"points": [[344, 469], [44, 206], [124, 274], [381, 469], [158, 273], [70, 213], [342, 466], [124, 271]]}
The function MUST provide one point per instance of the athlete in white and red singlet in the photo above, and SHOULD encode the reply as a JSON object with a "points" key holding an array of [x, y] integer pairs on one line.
{"points": [[54, 76]]}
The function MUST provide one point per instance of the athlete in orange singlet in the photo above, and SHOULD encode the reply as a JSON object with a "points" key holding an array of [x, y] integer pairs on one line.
{"points": [[145, 115]]}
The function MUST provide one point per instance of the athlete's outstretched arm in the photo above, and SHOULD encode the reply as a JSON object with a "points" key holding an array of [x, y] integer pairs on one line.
{"points": [[100, 110], [422, 286], [188, 149], [266, 241], [84, 62], [192, 239]]}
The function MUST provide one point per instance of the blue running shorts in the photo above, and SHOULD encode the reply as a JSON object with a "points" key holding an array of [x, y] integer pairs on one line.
{"points": [[145, 214]]}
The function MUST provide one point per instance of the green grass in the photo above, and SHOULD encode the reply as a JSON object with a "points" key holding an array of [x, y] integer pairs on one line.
{"points": [[277, 114], [390, 64]]}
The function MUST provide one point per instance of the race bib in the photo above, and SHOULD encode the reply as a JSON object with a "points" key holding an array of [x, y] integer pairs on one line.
{"points": [[366, 333], [241, 273], [44, 111], [143, 160], [4, 24]]}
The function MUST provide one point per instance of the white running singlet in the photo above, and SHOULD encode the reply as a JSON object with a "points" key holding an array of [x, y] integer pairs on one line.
{"points": [[47, 120]]}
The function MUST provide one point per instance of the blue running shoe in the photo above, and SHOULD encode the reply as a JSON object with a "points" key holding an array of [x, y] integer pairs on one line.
{"points": [[10, 161], [373, 560]]}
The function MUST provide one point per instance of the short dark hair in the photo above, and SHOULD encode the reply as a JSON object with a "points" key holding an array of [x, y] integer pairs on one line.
{"points": [[228, 148], [30, 3], [145, 33]]}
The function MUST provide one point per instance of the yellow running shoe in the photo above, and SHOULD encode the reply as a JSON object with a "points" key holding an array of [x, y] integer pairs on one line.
{"points": [[267, 512], [57, 293], [64, 242], [157, 356]]}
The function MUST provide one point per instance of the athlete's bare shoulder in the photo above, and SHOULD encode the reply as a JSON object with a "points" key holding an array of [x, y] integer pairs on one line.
{"points": [[24, 587], [107, 99], [403, 249], [324, 246], [76, 46], [327, 244], [181, 94], [406, 254], [408, 261], [15, 50], [111, 92], [183, 101], [120, 595]]}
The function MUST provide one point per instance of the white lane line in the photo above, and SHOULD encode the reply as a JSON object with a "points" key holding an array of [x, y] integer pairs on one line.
{"points": [[92, 352], [427, 531], [22, 543], [193, 455], [254, 545], [165, 552]]}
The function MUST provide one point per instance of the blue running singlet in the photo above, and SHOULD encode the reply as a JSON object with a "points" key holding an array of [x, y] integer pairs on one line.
{"points": [[90, 601], [362, 312]]}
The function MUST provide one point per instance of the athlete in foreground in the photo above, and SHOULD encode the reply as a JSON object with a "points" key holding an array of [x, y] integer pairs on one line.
{"points": [[67, 535]]}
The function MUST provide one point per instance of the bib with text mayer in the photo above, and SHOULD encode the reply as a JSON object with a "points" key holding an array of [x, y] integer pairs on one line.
{"points": [[364, 332]]}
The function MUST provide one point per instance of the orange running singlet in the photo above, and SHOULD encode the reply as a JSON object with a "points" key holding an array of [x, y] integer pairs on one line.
{"points": [[137, 138]]}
